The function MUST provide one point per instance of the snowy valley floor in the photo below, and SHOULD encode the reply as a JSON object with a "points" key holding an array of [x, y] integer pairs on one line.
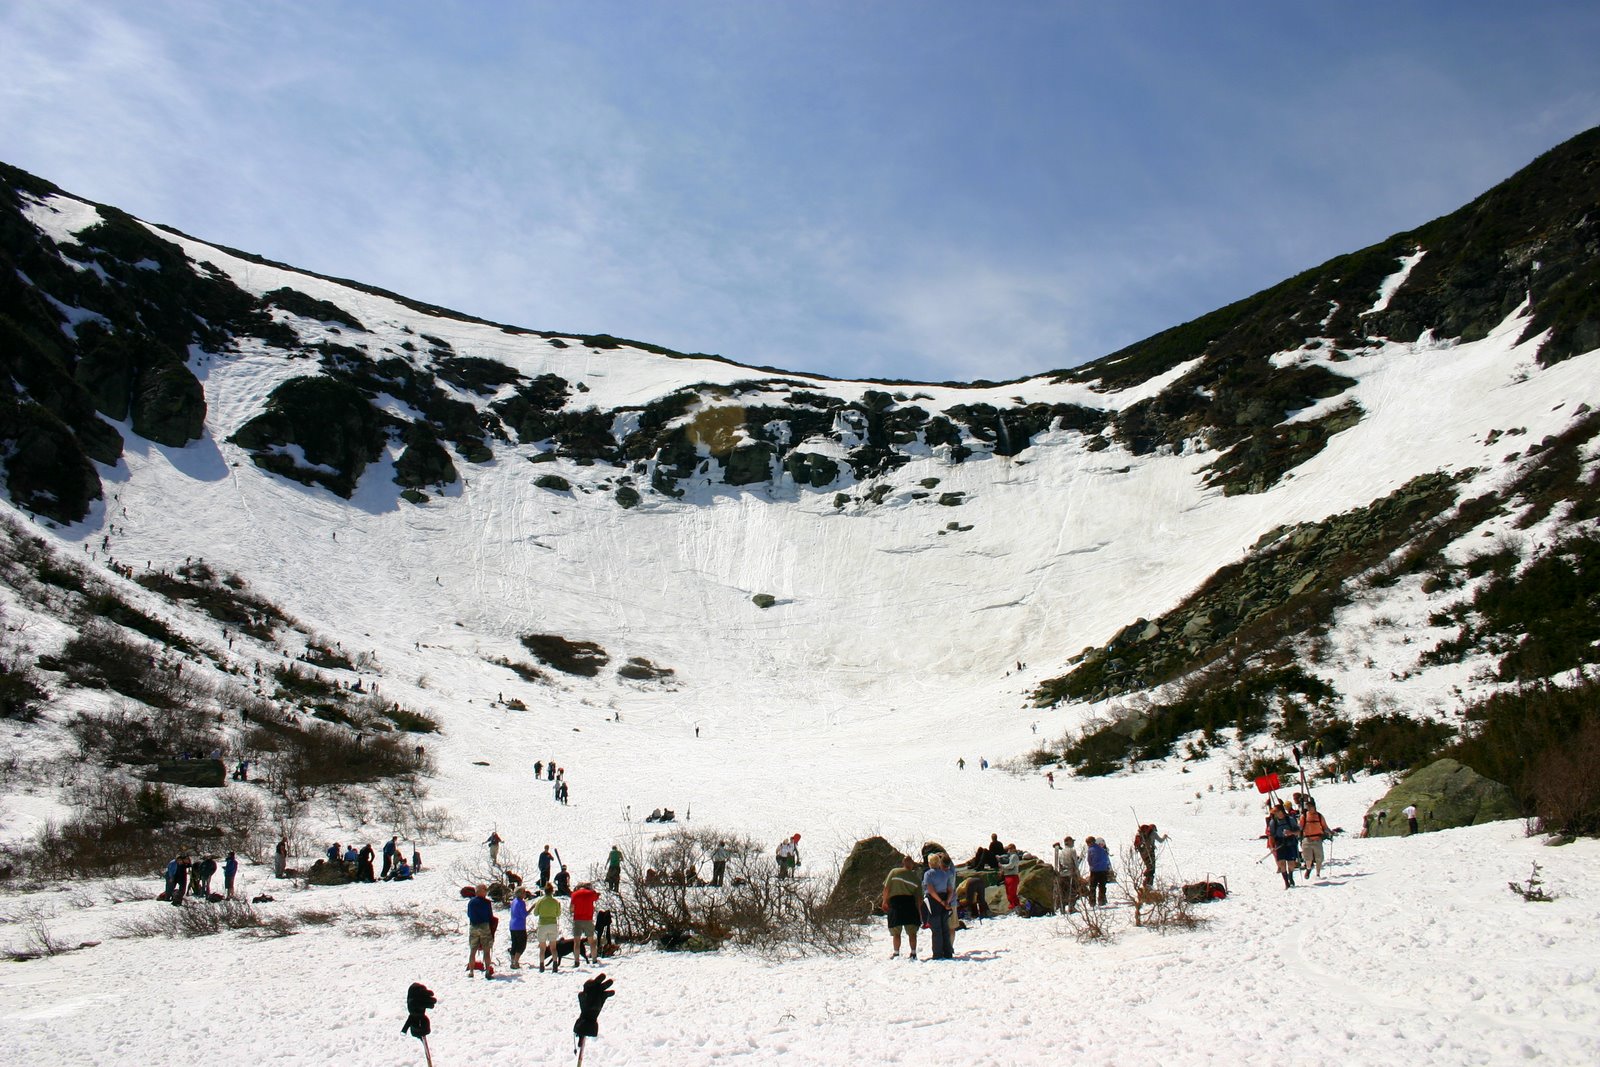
{"points": [[1409, 951]]}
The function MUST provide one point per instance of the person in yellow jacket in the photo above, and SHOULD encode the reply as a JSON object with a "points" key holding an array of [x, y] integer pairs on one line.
{"points": [[548, 911]]}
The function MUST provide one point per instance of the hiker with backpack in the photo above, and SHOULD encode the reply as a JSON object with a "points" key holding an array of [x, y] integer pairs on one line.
{"points": [[1144, 843], [1283, 840], [1099, 870], [900, 890], [1313, 830], [494, 842]]}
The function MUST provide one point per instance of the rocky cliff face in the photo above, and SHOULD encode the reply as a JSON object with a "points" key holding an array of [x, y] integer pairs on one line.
{"points": [[102, 317]]}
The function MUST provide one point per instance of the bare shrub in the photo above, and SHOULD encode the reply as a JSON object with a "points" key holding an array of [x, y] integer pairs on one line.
{"points": [[197, 920], [1091, 925], [664, 897], [118, 828], [38, 939], [1566, 784], [132, 733]]}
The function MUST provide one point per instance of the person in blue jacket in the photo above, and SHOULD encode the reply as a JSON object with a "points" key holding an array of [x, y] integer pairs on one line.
{"points": [[1099, 870], [519, 927], [480, 930], [230, 871], [939, 890]]}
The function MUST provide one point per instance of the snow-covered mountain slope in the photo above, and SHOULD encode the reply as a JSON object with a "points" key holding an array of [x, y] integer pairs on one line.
{"points": [[811, 598]]}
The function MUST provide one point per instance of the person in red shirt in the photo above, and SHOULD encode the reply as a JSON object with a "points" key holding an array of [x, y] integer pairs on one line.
{"points": [[582, 908]]}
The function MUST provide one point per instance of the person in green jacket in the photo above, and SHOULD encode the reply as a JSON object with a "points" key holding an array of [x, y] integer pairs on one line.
{"points": [[614, 869], [548, 911], [901, 890]]}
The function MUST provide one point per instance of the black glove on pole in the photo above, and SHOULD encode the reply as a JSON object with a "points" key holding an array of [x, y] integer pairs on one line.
{"points": [[419, 998], [596, 991]]}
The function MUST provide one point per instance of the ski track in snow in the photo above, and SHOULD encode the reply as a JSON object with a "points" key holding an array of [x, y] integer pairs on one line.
{"points": [[838, 712]]}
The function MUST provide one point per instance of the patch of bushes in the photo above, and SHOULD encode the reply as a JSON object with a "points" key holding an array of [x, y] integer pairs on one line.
{"points": [[320, 655], [1244, 701], [1540, 621], [1393, 742], [112, 608], [665, 898], [118, 829], [413, 722], [526, 671], [642, 670], [225, 598], [581, 658], [101, 656], [309, 754], [295, 683], [131, 734], [21, 691], [1538, 740]]}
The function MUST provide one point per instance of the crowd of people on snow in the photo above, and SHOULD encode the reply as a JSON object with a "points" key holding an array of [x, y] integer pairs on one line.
{"points": [[190, 878]]}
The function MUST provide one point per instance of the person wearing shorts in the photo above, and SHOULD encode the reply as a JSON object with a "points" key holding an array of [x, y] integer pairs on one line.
{"points": [[583, 901], [480, 930], [548, 934], [901, 890]]}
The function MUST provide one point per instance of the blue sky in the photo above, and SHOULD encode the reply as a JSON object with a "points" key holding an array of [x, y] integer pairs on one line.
{"points": [[930, 190]]}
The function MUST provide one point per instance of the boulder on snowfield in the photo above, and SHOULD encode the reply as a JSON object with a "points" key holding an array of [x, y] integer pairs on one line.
{"points": [[860, 886], [1446, 794]]}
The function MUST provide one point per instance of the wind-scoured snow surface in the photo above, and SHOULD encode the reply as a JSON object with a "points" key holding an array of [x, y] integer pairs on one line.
{"points": [[839, 712]]}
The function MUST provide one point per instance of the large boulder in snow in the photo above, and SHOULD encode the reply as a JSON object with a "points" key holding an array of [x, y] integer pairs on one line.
{"points": [[860, 885], [1446, 793], [196, 773]]}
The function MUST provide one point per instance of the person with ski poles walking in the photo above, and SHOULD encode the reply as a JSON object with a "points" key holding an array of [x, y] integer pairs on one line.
{"points": [[938, 890], [494, 847]]}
